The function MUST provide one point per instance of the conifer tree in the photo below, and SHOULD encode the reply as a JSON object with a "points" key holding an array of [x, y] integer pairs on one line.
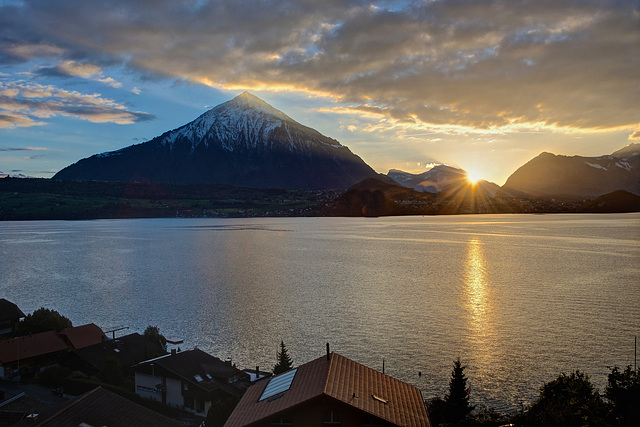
{"points": [[457, 399], [284, 362]]}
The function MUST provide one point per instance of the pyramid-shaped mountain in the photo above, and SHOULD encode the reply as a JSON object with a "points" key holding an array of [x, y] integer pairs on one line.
{"points": [[242, 142]]}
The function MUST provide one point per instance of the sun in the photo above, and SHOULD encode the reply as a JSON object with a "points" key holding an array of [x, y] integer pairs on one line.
{"points": [[473, 177]]}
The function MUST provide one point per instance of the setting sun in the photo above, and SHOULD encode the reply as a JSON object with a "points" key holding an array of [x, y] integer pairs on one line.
{"points": [[473, 177]]}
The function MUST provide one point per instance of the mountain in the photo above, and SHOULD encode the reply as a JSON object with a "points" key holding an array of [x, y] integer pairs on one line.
{"points": [[442, 178], [550, 175], [242, 142], [630, 151], [430, 181], [12, 175]]}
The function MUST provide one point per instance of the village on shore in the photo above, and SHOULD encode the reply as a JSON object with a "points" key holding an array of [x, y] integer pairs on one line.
{"points": [[54, 373]]}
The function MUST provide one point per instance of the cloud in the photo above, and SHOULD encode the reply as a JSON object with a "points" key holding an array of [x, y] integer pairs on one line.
{"points": [[22, 149], [87, 71], [482, 65], [27, 104], [635, 135]]}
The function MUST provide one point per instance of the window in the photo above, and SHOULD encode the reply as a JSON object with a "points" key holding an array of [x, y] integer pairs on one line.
{"points": [[278, 385], [331, 417]]}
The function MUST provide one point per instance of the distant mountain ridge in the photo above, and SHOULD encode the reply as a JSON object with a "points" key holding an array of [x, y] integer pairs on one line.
{"points": [[431, 181], [242, 142], [440, 178], [12, 175], [550, 174]]}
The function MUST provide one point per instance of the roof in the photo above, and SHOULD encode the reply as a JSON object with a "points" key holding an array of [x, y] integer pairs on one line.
{"points": [[9, 311], [199, 368], [129, 349], [339, 378], [100, 407], [30, 346], [84, 336]]}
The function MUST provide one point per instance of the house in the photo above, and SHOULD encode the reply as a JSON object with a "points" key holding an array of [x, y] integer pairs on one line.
{"points": [[189, 380], [331, 390], [100, 407], [83, 336], [10, 315], [32, 353], [129, 350]]}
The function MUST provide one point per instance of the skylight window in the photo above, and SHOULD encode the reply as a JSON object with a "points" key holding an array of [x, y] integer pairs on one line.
{"points": [[198, 378], [278, 384]]}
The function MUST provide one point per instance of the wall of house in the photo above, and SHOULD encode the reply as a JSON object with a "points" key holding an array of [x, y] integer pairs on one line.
{"points": [[145, 386], [174, 393], [313, 415]]}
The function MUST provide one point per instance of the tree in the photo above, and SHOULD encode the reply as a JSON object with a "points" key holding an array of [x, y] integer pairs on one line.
{"points": [[43, 320], [152, 333], [284, 361], [457, 399], [623, 394], [569, 400]]}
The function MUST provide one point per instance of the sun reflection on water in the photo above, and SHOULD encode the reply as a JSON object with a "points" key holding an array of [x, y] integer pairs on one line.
{"points": [[479, 305]]}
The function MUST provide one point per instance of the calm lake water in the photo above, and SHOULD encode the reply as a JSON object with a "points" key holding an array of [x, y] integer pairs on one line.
{"points": [[519, 298]]}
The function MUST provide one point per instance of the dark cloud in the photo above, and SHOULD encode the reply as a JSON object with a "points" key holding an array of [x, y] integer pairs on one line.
{"points": [[475, 63]]}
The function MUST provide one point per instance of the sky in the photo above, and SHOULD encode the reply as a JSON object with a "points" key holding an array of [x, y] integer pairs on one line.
{"points": [[484, 85]]}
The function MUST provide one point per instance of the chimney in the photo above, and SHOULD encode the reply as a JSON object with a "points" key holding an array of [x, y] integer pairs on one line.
{"points": [[257, 371], [328, 353]]}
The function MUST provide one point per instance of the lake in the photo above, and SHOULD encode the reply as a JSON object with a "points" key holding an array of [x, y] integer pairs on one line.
{"points": [[519, 298]]}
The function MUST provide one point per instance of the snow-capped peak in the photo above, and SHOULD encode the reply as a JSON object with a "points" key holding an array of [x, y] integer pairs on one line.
{"points": [[248, 122]]}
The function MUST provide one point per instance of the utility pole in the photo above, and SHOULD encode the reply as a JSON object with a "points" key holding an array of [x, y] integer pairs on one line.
{"points": [[18, 341]]}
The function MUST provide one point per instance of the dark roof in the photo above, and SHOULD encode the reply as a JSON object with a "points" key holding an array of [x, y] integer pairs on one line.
{"points": [[129, 349], [188, 364], [9, 311], [100, 407], [49, 342], [30, 346], [83, 336], [338, 378]]}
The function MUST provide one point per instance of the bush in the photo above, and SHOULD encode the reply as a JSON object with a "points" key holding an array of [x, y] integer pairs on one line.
{"points": [[53, 377]]}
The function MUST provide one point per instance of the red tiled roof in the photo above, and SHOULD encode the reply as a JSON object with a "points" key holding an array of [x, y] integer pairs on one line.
{"points": [[84, 336], [340, 378], [395, 401], [30, 346]]}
